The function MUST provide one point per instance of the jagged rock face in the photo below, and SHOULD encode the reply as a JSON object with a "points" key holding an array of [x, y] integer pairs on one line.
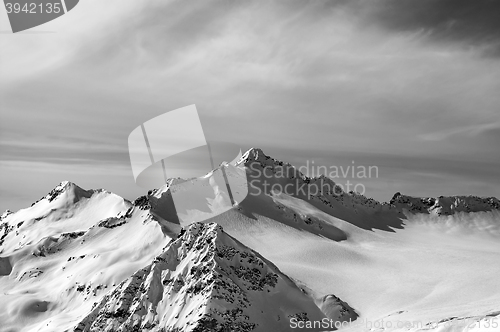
{"points": [[203, 281], [267, 178], [72, 192], [276, 171], [444, 205]]}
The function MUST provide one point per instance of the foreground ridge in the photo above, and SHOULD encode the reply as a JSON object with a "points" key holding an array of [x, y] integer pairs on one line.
{"points": [[205, 281]]}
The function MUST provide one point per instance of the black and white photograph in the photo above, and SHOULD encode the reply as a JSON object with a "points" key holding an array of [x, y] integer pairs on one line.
{"points": [[250, 166]]}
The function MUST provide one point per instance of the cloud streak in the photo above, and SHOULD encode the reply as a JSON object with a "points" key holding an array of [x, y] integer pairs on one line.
{"points": [[473, 130], [416, 79]]}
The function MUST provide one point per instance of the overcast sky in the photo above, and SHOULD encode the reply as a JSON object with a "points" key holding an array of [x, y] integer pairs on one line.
{"points": [[412, 87]]}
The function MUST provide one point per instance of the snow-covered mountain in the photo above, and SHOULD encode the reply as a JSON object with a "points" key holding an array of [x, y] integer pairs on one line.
{"points": [[205, 281], [89, 260], [67, 251]]}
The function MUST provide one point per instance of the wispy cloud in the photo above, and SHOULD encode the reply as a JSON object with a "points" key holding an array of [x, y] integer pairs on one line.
{"points": [[417, 79], [472, 130]]}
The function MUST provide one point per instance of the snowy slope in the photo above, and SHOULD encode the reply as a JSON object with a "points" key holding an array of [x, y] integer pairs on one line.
{"points": [[418, 259], [67, 251], [203, 281], [426, 262], [78, 257], [74, 249]]}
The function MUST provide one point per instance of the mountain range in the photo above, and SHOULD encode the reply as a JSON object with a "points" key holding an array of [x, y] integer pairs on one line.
{"points": [[307, 258]]}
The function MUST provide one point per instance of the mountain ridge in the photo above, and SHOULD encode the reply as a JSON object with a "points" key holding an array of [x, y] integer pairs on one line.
{"points": [[439, 205], [76, 247], [220, 285]]}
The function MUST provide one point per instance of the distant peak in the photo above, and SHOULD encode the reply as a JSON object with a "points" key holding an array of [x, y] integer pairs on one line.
{"points": [[257, 155], [253, 154], [65, 183], [67, 187], [444, 205], [59, 189]]}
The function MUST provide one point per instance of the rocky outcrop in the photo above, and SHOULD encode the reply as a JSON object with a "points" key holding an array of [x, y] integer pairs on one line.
{"points": [[204, 281]]}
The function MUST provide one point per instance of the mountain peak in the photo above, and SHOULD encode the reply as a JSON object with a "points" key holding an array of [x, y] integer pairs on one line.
{"points": [[257, 155], [215, 283], [70, 189], [60, 188], [253, 154]]}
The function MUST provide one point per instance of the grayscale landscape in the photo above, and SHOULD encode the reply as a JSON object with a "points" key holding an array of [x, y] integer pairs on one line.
{"points": [[250, 166], [89, 260]]}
